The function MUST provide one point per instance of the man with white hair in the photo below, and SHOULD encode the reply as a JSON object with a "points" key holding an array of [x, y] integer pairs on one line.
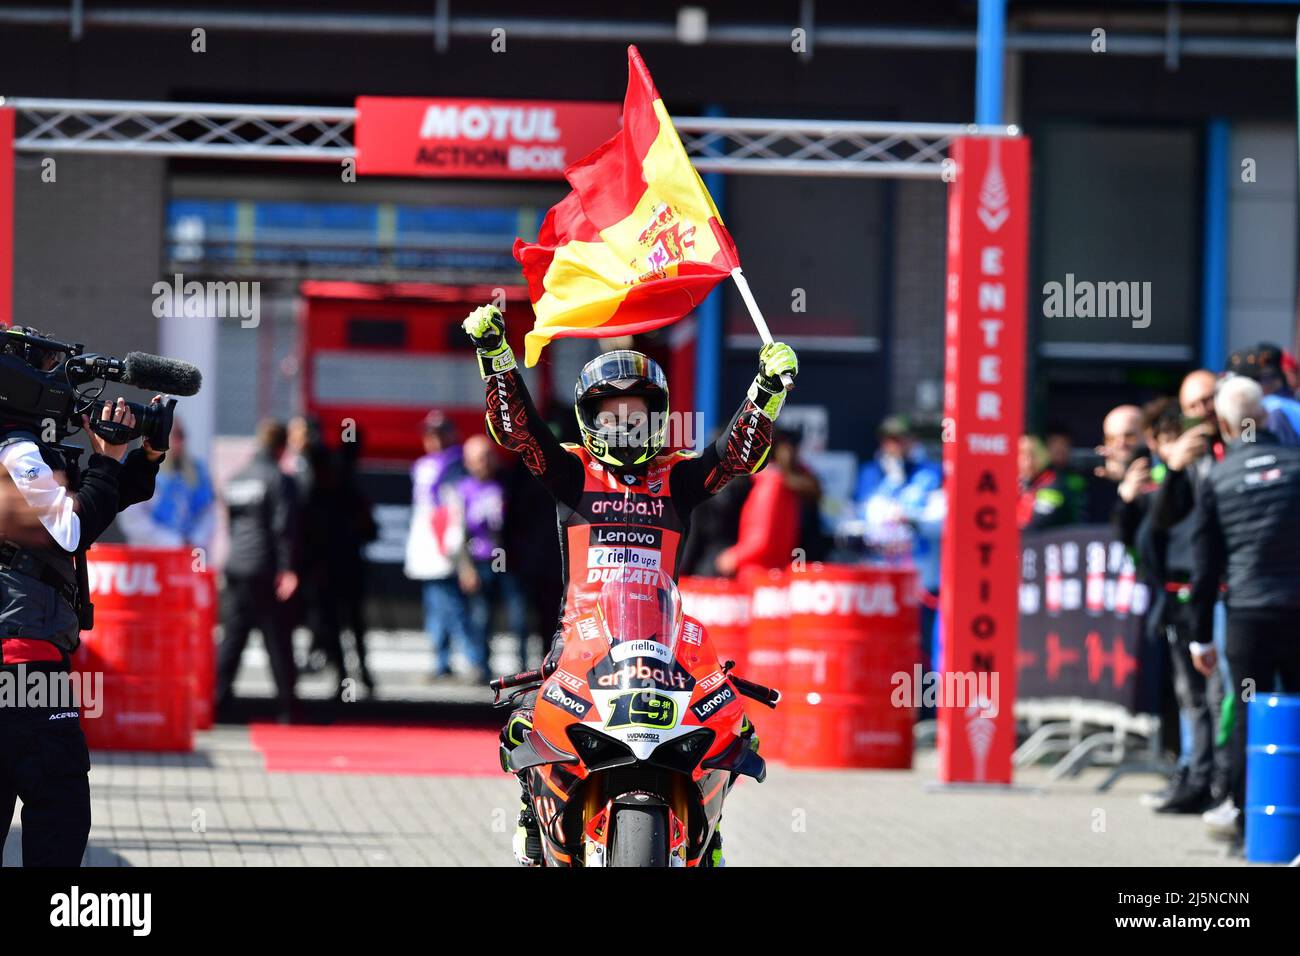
{"points": [[1246, 529]]}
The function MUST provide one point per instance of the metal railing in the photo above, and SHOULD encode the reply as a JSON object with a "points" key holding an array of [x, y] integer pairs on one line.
{"points": [[324, 134]]}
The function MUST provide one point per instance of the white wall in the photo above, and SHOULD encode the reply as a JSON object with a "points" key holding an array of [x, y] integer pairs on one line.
{"points": [[1262, 237], [194, 339]]}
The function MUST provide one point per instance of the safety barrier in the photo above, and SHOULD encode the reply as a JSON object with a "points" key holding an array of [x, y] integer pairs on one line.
{"points": [[152, 642], [831, 638]]}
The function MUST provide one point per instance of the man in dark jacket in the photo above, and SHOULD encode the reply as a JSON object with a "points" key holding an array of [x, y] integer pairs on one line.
{"points": [[1246, 528], [1164, 555], [261, 569]]}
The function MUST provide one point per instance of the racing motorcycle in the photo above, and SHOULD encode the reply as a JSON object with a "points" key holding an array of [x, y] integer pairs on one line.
{"points": [[638, 731]]}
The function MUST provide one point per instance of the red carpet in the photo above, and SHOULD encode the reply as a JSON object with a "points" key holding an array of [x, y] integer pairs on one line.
{"points": [[429, 751]]}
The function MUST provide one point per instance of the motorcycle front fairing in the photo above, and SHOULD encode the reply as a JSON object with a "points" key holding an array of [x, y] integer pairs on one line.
{"points": [[640, 701]]}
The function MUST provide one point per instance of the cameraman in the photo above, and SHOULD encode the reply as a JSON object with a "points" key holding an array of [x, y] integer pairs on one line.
{"points": [[48, 513]]}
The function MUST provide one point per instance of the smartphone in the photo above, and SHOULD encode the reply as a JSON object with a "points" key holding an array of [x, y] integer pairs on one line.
{"points": [[1141, 451]]}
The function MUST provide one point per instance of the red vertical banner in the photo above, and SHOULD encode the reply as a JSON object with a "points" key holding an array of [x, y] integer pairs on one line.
{"points": [[984, 380], [6, 216]]}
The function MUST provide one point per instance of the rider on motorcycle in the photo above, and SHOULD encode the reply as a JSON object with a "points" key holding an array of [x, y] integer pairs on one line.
{"points": [[619, 478]]}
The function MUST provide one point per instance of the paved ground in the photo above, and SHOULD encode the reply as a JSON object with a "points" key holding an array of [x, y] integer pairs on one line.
{"points": [[218, 806]]}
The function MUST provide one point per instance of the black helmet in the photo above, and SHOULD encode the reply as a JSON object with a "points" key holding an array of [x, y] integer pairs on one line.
{"points": [[623, 373]]}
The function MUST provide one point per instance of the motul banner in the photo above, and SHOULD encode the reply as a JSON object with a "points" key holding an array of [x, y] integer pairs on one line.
{"points": [[501, 139], [988, 218]]}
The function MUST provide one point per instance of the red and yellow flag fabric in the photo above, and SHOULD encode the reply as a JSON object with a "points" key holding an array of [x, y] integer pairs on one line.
{"points": [[637, 244]]}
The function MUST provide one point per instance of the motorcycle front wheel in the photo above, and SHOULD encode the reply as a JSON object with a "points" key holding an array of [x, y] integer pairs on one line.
{"points": [[639, 836]]}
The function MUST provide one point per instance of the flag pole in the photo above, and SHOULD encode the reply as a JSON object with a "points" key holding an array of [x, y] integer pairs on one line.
{"points": [[759, 322]]}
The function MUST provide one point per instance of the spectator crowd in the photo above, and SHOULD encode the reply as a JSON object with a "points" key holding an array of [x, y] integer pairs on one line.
{"points": [[1206, 497]]}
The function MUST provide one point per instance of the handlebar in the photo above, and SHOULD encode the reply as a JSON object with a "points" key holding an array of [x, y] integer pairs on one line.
{"points": [[768, 696], [516, 680], [522, 679]]}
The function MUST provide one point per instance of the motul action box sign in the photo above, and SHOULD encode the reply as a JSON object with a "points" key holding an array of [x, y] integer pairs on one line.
{"points": [[502, 139], [985, 303]]}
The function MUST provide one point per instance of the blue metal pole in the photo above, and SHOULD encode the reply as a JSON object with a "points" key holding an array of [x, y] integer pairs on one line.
{"points": [[708, 326], [1214, 271], [990, 41]]}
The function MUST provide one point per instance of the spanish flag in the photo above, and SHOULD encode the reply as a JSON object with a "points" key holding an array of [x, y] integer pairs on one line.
{"points": [[637, 244]]}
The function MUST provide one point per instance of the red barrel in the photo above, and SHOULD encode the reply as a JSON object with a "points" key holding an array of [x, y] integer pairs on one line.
{"points": [[852, 630], [769, 621], [143, 640], [140, 713], [722, 606], [203, 652]]}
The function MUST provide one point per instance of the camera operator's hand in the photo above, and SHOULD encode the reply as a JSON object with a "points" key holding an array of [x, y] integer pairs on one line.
{"points": [[1188, 447], [150, 452], [111, 413], [1135, 479]]}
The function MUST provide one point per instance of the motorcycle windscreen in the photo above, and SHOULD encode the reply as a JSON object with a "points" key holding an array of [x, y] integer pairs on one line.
{"points": [[641, 605]]}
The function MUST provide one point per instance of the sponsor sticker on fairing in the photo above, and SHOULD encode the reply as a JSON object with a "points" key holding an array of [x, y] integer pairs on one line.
{"points": [[691, 633], [570, 681], [627, 649], [634, 673], [572, 703], [713, 680], [710, 705]]}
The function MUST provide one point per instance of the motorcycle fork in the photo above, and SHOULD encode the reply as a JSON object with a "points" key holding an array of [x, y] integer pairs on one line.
{"points": [[598, 796]]}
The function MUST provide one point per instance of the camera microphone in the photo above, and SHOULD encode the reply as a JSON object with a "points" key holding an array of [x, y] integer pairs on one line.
{"points": [[159, 374]]}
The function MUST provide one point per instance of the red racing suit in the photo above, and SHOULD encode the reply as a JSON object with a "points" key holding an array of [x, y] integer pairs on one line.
{"points": [[606, 514]]}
